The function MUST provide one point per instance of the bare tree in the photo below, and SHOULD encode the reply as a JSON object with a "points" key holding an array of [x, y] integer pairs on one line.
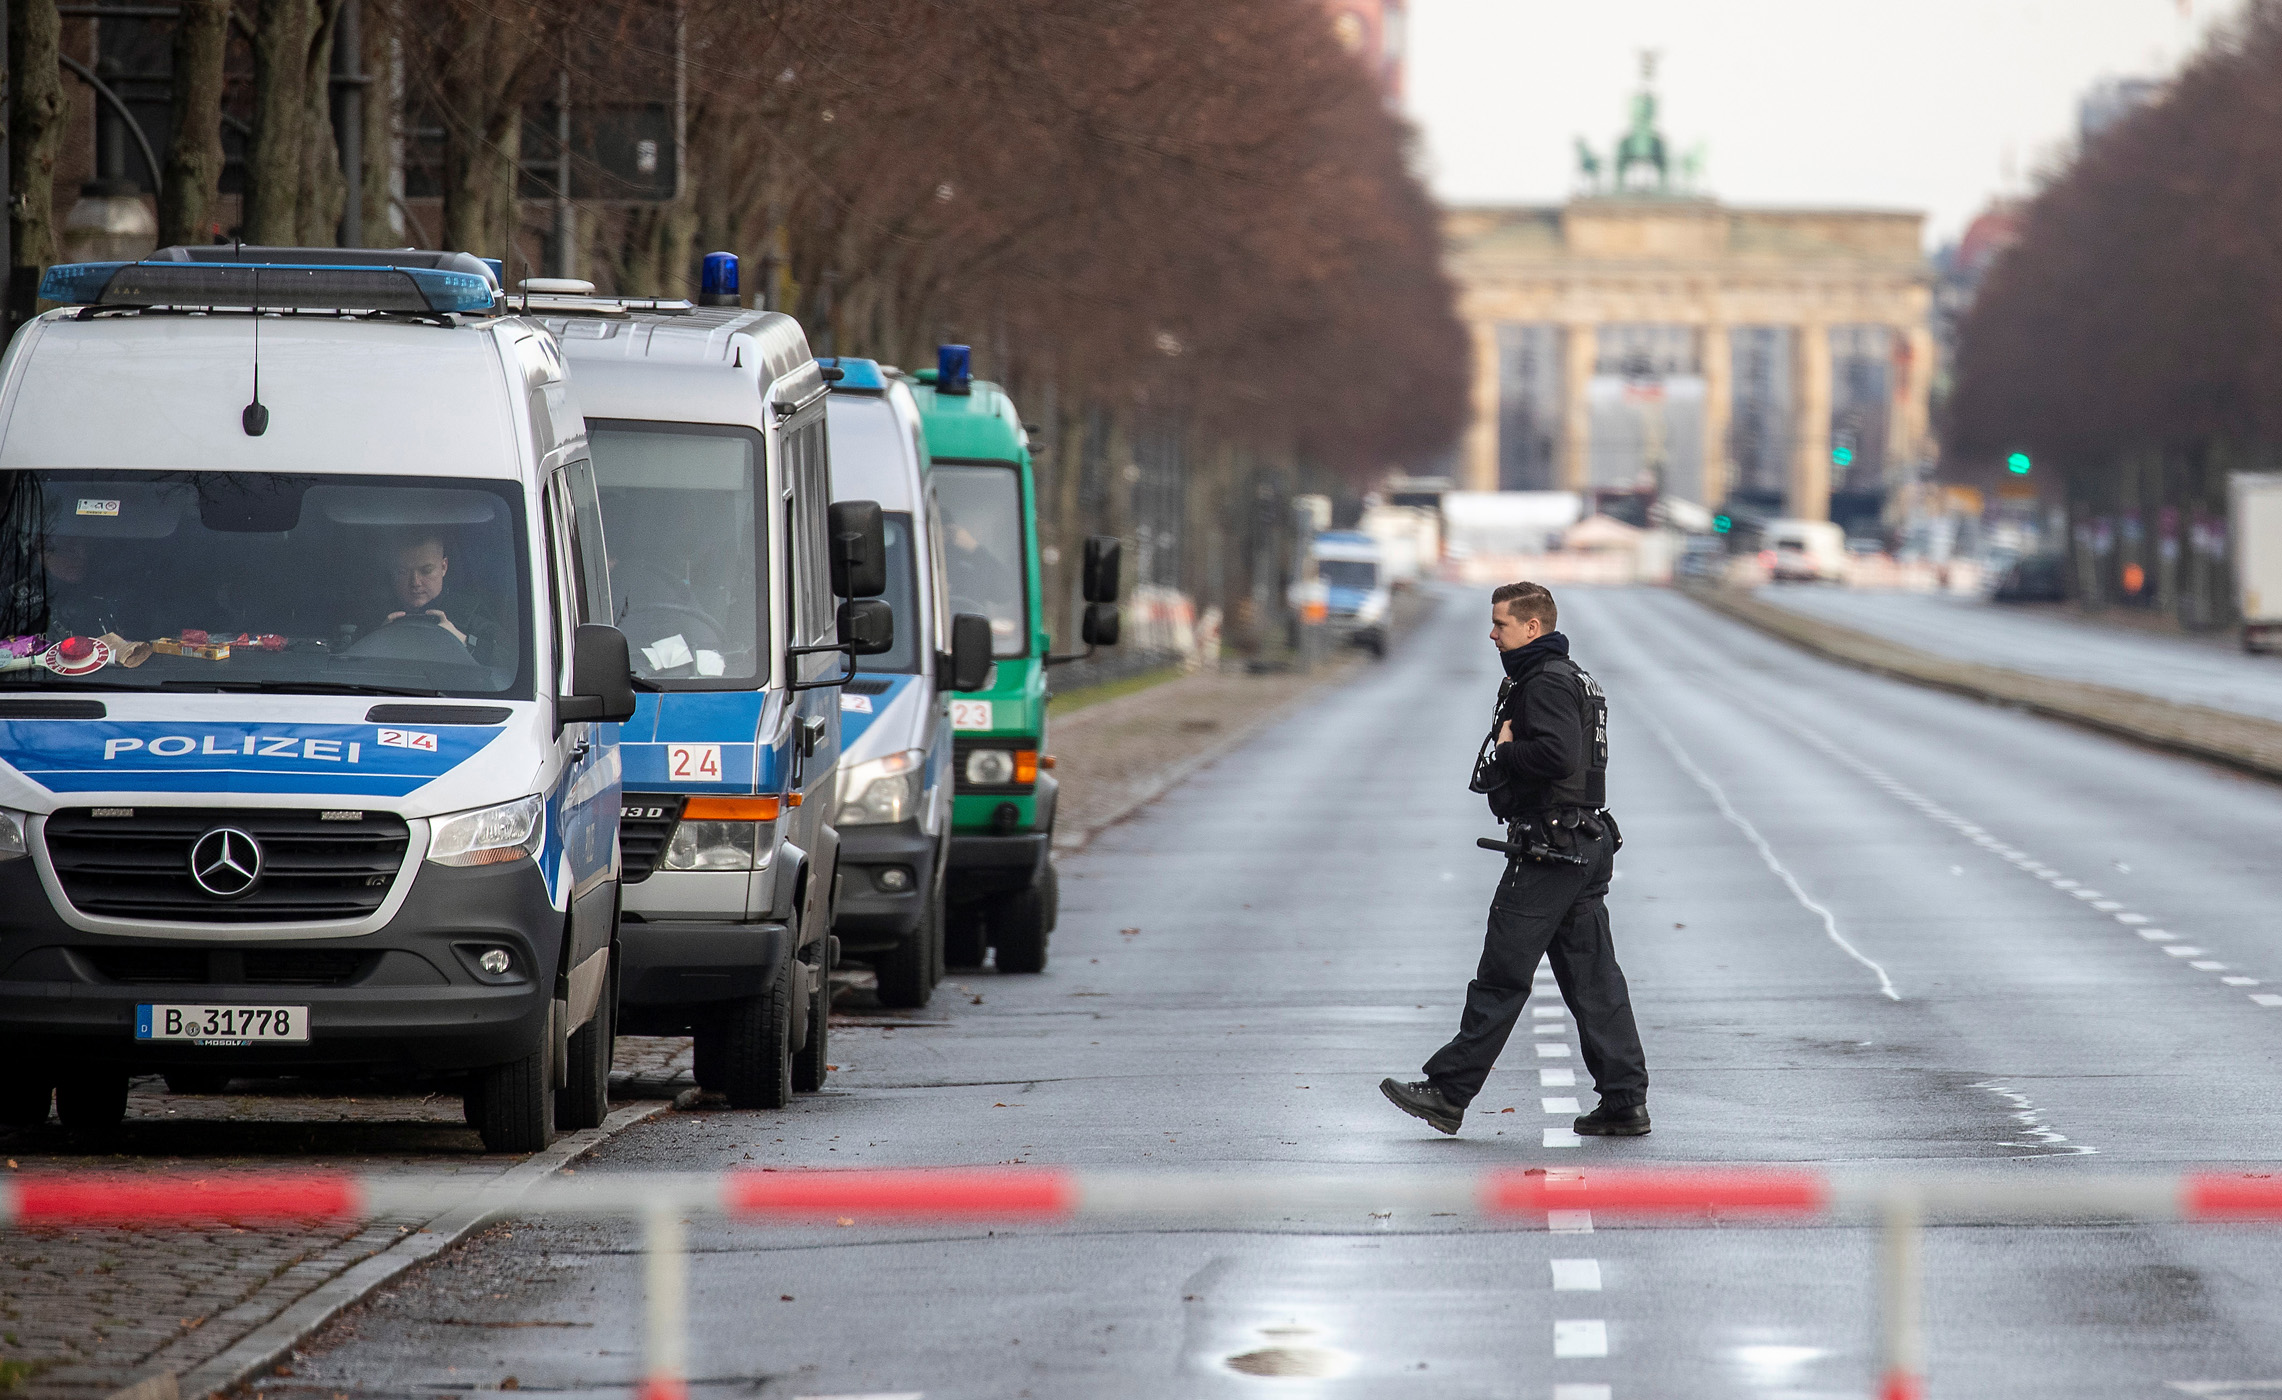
{"points": [[194, 162], [36, 113]]}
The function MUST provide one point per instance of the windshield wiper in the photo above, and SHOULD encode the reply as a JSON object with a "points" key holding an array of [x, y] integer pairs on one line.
{"points": [[297, 688]]}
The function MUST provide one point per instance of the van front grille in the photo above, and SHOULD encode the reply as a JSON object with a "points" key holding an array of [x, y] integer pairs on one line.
{"points": [[645, 823], [134, 862]]}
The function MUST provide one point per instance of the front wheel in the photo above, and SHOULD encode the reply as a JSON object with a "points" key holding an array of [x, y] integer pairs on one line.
{"points": [[92, 1100], [1021, 922], [756, 1044], [963, 943], [907, 971], [585, 1101], [512, 1106]]}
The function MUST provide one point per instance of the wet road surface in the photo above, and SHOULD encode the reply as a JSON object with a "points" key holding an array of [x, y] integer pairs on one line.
{"points": [[1239, 964]]}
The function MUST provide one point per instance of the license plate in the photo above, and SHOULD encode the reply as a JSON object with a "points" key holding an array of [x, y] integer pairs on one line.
{"points": [[223, 1025]]}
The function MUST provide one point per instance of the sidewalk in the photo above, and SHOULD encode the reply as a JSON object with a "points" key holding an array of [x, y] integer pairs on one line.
{"points": [[2246, 741]]}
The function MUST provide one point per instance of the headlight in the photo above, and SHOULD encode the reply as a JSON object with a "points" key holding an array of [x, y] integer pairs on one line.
{"points": [[714, 845], [881, 790], [1001, 767], [489, 835], [1374, 604], [990, 767], [11, 834]]}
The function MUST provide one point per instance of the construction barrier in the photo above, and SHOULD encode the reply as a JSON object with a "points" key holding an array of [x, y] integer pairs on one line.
{"points": [[1901, 1203]]}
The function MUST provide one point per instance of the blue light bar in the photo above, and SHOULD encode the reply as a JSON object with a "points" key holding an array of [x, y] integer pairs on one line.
{"points": [[861, 376], [268, 286], [717, 284], [954, 369]]}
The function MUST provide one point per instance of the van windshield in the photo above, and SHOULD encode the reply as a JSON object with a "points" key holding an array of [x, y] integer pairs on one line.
{"points": [[263, 581], [1347, 573], [982, 549], [684, 512], [902, 595]]}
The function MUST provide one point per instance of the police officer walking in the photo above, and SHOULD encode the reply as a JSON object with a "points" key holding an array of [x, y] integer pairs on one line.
{"points": [[1542, 767]]}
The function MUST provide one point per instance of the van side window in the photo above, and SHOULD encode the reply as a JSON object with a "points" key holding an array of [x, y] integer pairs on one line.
{"points": [[808, 474], [590, 553]]}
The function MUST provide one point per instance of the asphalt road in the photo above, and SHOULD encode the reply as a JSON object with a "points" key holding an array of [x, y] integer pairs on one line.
{"points": [[2211, 671], [1240, 963]]}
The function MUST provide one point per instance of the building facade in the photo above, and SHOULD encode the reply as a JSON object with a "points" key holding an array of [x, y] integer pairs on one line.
{"points": [[1777, 358]]}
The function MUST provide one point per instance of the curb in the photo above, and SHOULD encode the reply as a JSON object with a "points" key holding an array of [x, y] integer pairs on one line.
{"points": [[271, 1342], [2244, 743]]}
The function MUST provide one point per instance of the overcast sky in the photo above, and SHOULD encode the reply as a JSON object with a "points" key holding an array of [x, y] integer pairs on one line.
{"points": [[1912, 104]]}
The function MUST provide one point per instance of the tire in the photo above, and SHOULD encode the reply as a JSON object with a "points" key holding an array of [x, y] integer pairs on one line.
{"points": [[907, 971], [963, 936], [24, 1102], [92, 1100], [1020, 923], [585, 1101], [197, 1081], [513, 1105], [756, 1069], [809, 1066]]}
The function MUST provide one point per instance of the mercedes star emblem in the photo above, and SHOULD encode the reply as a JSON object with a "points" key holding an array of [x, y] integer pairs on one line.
{"points": [[225, 862]]}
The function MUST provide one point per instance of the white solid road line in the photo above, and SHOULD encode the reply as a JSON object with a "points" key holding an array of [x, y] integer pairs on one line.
{"points": [[1576, 1275], [1556, 1079], [1580, 1338], [1569, 1222], [1561, 1105], [1767, 853]]}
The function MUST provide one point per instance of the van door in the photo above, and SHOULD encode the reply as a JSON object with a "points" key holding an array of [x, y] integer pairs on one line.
{"points": [[812, 618], [586, 799]]}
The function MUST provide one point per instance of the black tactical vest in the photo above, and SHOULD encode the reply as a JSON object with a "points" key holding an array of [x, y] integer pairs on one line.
{"points": [[1586, 788]]}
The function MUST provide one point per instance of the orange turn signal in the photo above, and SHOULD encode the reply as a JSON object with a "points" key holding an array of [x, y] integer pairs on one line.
{"points": [[730, 809], [1026, 765]]}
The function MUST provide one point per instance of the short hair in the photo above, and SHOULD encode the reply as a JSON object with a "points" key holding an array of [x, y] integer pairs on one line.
{"points": [[1527, 600], [413, 537]]}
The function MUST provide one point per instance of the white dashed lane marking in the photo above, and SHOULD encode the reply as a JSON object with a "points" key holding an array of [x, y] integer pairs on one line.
{"points": [[1546, 1012], [1556, 1079], [2266, 998], [1576, 1275], [1547, 1050], [2240, 981], [2183, 950], [1552, 1029], [1580, 1392], [1562, 1137], [1569, 1222], [1561, 1105], [1578, 1339]]}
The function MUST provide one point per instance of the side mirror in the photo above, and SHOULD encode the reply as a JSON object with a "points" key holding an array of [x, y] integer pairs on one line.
{"points": [[970, 652], [867, 626], [1104, 557], [602, 677], [859, 549], [1099, 629]]}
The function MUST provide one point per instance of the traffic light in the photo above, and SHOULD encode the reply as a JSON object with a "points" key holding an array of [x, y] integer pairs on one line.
{"points": [[1842, 456], [1723, 523], [2018, 464]]}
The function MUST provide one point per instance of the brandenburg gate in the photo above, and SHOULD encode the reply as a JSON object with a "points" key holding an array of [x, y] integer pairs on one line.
{"points": [[1772, 358]]}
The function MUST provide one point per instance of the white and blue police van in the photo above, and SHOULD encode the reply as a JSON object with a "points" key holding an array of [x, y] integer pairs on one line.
{"points": [[744, 593], [308, 753], [894, 804], [1352, 587]]}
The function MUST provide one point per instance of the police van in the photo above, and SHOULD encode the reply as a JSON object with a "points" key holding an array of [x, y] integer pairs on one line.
{"points": [[308, 760], [894, 805], [744, 593]]}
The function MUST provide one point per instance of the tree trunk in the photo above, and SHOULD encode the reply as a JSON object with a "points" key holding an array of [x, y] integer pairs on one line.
{"points": [[36, 113], [383, 126], [480, 96], [194, 162], [317, 208], [283, 32]]}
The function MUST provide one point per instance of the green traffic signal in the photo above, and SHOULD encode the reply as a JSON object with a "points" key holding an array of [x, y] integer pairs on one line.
{"points": [[1842, 456], [2017, 464], [1722, 523]]}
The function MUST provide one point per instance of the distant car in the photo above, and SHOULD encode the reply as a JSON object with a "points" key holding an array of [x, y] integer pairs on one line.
{"points": [[2033, 578], [1804, 551], [1702, 557]]}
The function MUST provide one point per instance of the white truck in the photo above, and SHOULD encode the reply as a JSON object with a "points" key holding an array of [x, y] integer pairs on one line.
{"points": [[2254, 511]]}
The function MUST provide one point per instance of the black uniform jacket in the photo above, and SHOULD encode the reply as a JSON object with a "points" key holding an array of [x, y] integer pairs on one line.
{"points": [[1549, 741]]}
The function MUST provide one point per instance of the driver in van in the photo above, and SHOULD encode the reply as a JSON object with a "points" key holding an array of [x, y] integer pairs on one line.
{"points": [[417, 567], [79, 601]]}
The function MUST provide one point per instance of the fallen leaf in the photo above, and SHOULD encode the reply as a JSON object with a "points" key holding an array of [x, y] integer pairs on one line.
{"points": [[1505, 1110], [1679, 925], [511, 1383], [845, 1220], [1129, 930], [784, 1297]]}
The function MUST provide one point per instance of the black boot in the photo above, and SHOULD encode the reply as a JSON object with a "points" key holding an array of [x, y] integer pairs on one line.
{"points": [[1613, 1120], [1422, 1100]]}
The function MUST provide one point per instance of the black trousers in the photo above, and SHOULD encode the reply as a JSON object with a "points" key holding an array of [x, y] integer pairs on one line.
{"points": [[1557, 912]]}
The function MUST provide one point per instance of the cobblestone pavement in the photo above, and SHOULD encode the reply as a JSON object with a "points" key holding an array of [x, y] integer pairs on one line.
{"points": [[84, 1312]]}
